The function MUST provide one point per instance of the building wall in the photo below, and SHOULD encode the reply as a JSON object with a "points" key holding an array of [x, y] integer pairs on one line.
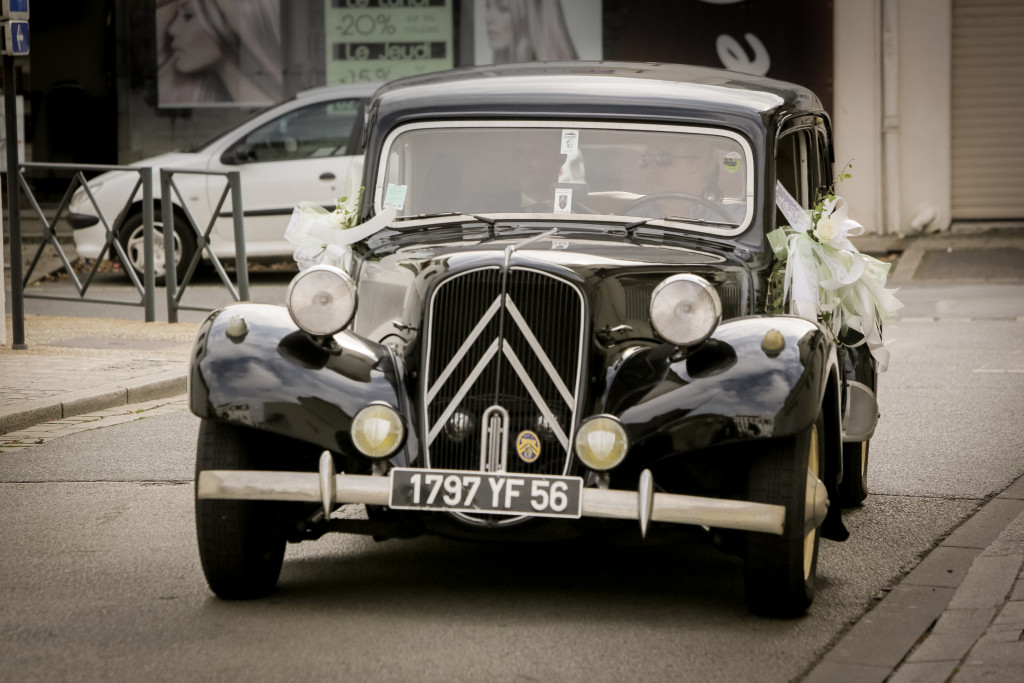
{"points": [[892, 111], [926, 40], [857, 109]]}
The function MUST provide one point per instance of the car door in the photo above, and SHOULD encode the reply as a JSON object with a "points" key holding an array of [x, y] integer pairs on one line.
{"points": [[799, 162], [297, 156]]}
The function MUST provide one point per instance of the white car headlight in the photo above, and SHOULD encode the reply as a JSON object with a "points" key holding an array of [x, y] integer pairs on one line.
{"points": [[685, 309], [377, 430], [322, 300]]}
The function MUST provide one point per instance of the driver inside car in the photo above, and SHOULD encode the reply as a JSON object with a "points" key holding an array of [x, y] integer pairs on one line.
{"points": [[681, 167]]}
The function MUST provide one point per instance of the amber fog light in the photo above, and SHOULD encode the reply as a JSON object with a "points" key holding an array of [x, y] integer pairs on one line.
{"points": [[685, 309], [601, 443], [322, 300], [377, 430]]}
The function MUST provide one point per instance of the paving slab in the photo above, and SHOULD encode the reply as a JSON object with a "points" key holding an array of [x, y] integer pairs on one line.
{"points": [[944, 566], [983, 528], [885, 634]]}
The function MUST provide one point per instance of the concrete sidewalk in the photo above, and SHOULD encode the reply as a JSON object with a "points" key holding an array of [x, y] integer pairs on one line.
{"points": [[959, 615], [79, 365]]}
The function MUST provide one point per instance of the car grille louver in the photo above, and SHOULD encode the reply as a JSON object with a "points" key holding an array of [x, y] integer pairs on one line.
{"points": [[502, 343]]}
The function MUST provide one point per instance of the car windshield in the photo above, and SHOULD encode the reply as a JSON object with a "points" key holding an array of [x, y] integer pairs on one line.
{"points": [[693, 176]]}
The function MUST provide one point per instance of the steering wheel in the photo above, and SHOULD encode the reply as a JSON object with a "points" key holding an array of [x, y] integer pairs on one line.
{"points": [[714, 207]]}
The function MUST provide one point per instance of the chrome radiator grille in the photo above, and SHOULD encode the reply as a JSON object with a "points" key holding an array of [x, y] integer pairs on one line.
{"points": [[509, 346]]}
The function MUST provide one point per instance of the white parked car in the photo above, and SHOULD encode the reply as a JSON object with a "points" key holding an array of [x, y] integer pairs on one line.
{"points": [[299, 150]]}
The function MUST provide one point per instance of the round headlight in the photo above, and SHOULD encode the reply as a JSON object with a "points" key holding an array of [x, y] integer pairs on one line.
{"points": [[685, 309], [377, 430], [601, 443], [322, 300]]}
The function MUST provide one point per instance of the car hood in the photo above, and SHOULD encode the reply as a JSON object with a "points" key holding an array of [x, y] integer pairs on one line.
{"points": [[395, 278], [173, 160], [582, 251], [113, 186]]}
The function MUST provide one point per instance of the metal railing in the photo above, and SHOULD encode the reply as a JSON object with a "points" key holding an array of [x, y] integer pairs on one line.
{"points": [[146, 288], [116, 251], [174, 294]]}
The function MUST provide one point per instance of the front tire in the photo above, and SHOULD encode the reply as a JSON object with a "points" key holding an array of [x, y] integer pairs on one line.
{"points": [[241, 542], [780, 570]]}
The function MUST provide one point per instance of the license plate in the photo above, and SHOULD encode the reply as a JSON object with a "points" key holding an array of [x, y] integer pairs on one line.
{"points": [[499, 493]]}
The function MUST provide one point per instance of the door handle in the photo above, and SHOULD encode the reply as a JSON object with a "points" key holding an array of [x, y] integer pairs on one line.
{"points": [[327, 176]]}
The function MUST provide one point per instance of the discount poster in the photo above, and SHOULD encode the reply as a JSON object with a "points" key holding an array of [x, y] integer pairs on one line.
{"points": [[380, 40]]}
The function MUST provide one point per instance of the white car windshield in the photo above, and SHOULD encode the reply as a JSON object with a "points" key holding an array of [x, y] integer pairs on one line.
{"points": [[692, 176]]}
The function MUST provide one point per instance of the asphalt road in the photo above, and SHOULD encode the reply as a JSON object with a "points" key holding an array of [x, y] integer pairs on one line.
{"points": [[101, 578]]}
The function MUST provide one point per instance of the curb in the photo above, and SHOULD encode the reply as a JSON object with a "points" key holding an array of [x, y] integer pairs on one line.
{"points": [[951, 596], [162, 385]]}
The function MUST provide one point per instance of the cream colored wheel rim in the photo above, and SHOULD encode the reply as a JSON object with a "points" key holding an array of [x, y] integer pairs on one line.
{"points": [[812, 469]]}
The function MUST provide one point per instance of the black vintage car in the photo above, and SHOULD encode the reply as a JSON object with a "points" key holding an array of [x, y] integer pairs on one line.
{"points": [[557, 322]]}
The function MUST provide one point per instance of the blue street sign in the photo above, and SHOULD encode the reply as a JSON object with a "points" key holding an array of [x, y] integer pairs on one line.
{"points": [[14, 9], [15, 38]]}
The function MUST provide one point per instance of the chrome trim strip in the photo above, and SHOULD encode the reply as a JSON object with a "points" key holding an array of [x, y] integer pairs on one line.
{"points": [[460, 354], [478, 369], [494, 439], [545, 361], [538, 400]]}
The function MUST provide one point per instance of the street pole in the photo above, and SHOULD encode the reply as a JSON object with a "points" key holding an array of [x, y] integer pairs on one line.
{"points": [[14, 207]]}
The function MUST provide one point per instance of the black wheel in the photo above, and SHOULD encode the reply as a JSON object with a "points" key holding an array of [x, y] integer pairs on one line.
{"points": [[780, 570], [241, 542], [713, 207], [853, 489], [131, 237]]}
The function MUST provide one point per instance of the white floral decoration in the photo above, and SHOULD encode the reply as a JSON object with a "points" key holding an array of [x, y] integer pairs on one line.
{"points": [[826, 279]]}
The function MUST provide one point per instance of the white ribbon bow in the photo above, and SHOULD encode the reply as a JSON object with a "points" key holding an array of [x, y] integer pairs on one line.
{"points": [[826, 276]]}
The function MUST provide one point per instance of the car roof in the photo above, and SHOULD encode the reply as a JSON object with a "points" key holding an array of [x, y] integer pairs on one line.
{"points": [[344, 90], [596, 89]]}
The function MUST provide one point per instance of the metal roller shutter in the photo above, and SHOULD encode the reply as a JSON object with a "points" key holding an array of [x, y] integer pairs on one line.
{"points": [[988, 110]]}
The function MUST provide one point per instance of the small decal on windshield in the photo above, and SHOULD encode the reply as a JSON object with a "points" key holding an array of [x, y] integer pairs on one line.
{"points": [[560, 244], [731, 162], [563, 200], [395, 196], [570, 141]]}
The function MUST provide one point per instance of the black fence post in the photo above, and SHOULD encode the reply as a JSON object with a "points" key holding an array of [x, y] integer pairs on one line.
{"points": [[148, 274], [14, 207]]}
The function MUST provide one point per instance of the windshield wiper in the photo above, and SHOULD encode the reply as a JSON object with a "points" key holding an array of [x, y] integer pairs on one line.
{"points": [[445, 214], [702, 221], [631, 228], [439, 214]]}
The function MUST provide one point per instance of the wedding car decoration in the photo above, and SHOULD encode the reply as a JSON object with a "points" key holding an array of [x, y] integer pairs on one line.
{"points": [[323, 237], [825, 278], [316, 232]]}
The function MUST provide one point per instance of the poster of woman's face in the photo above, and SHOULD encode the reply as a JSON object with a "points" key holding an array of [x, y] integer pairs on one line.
{"points": [[536, 30], [218, 52]]}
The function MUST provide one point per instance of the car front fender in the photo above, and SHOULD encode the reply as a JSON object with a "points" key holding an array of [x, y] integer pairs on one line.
{"points": [[251, 365], [735, 387]]}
